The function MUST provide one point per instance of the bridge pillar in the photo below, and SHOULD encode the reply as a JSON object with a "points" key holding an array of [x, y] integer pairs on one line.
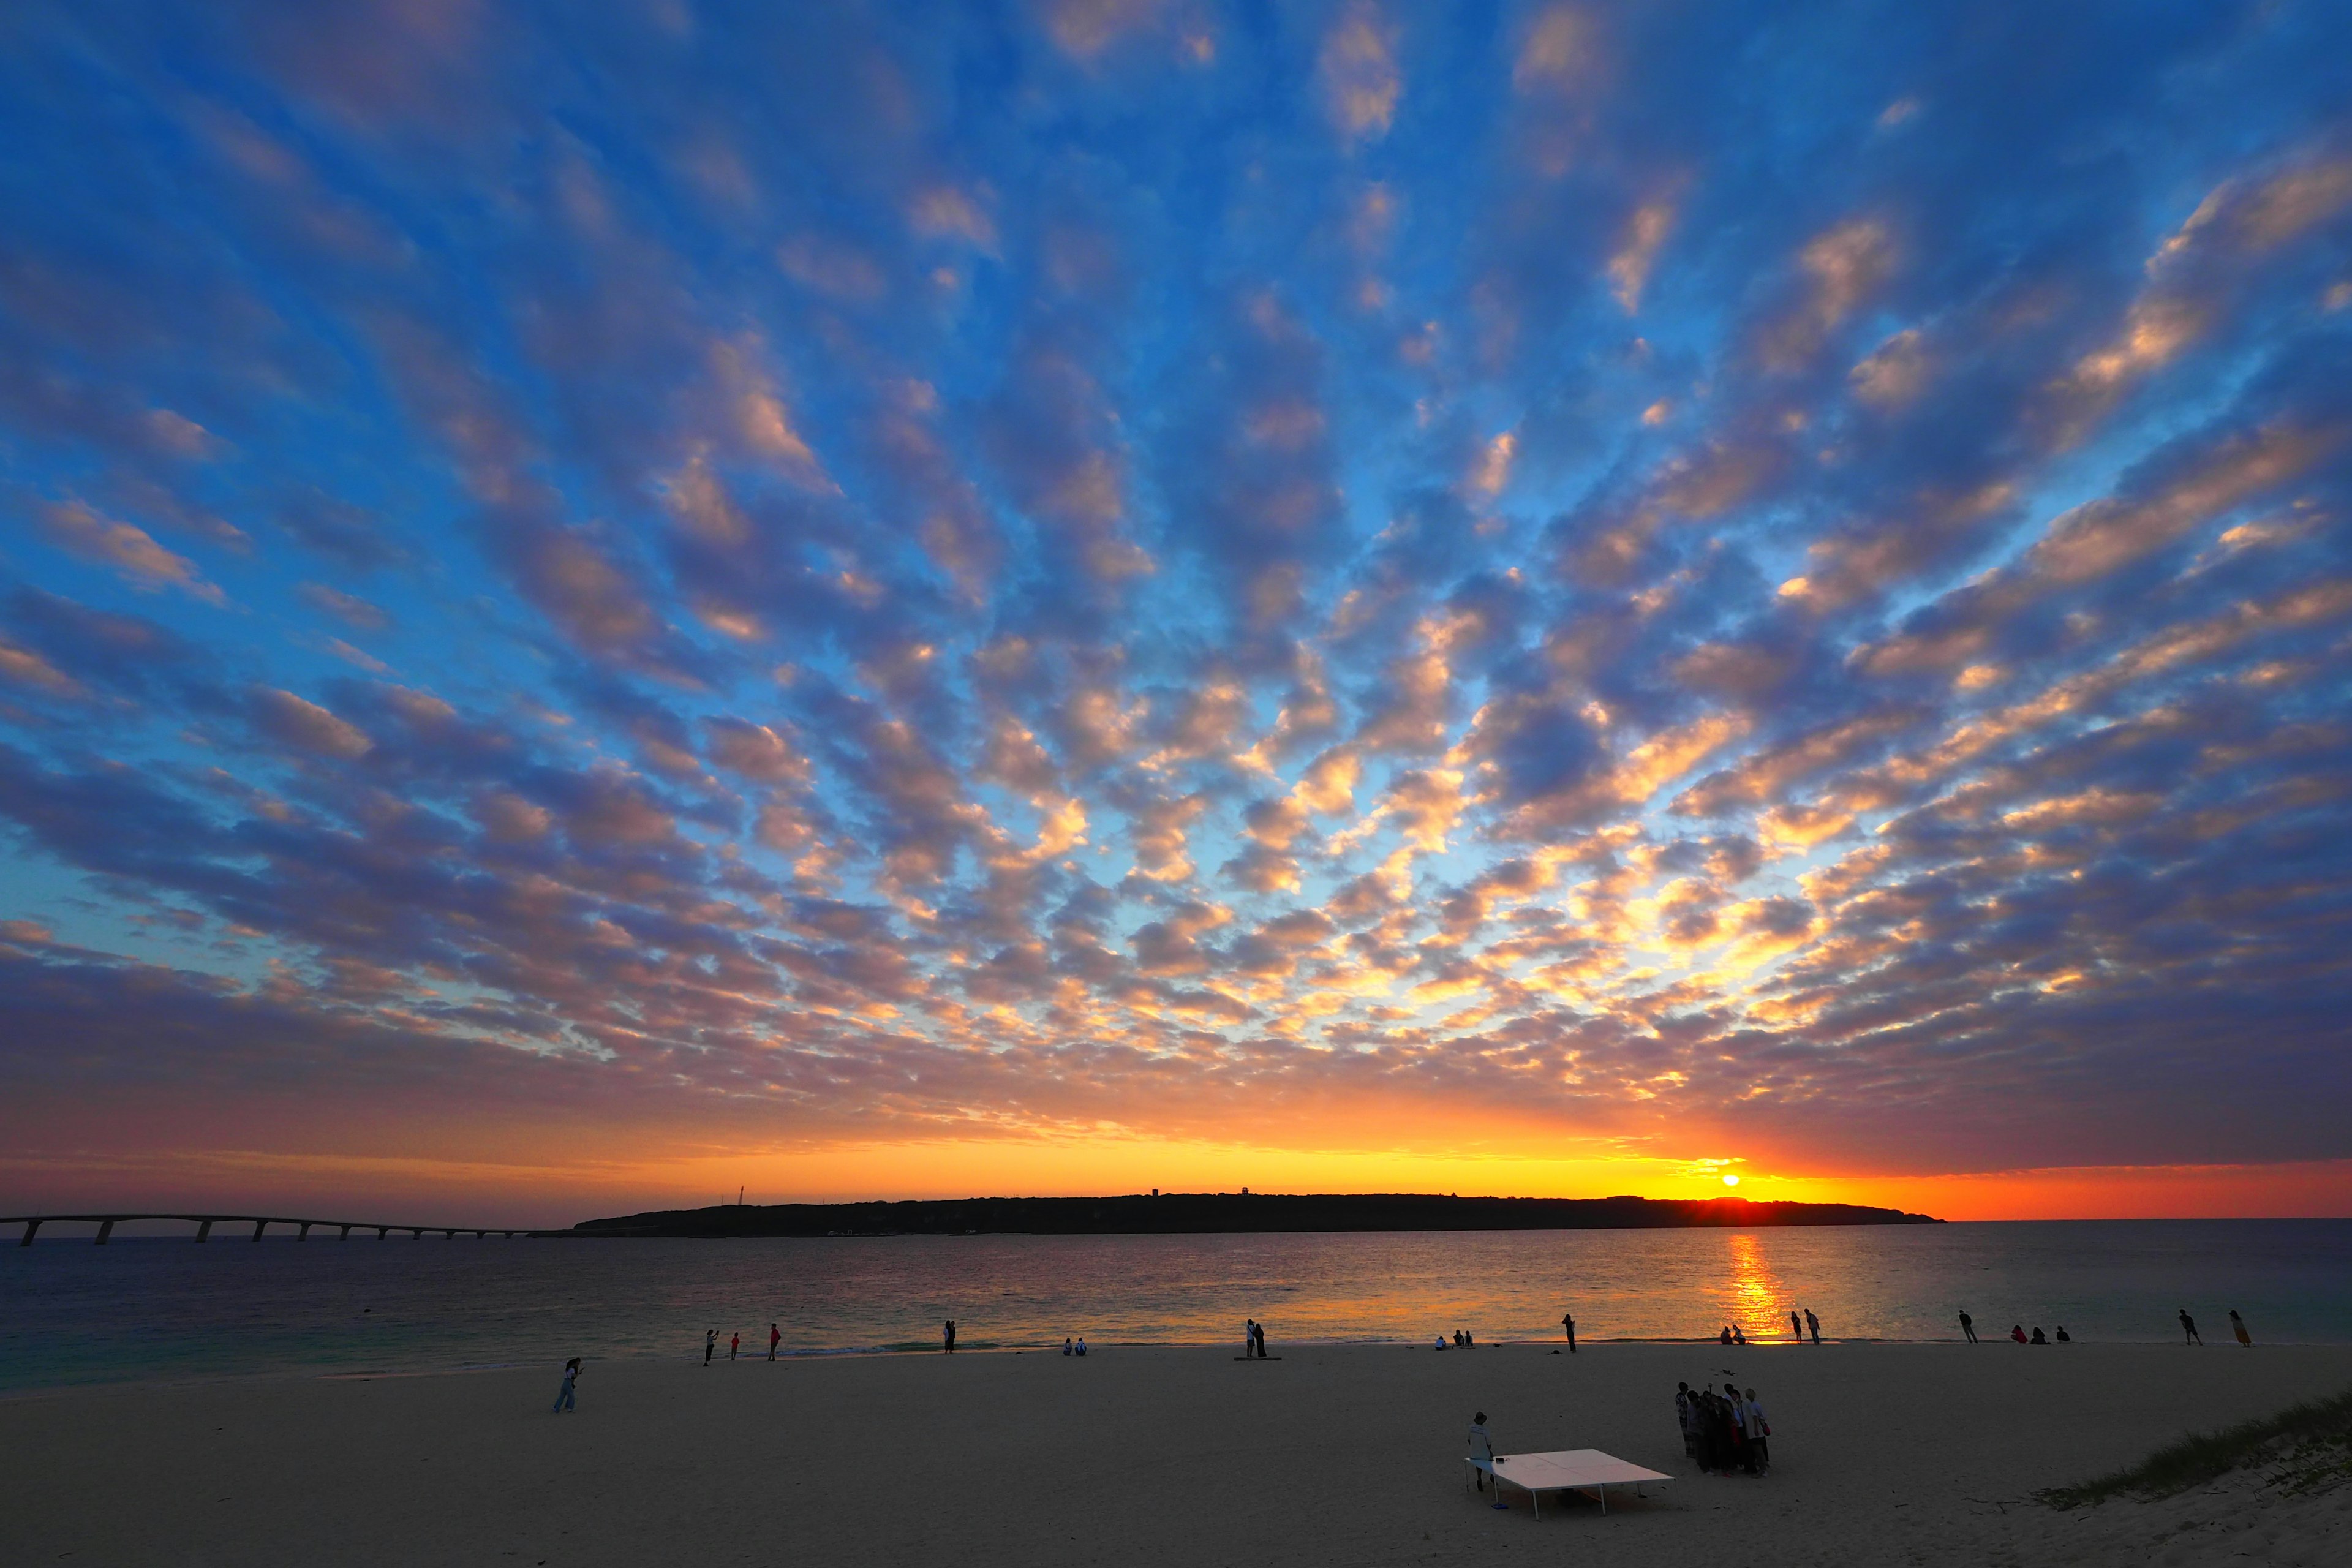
{"points": [[258, 1226], [448, 1236], [417, 1231], [204, 1230], [30, 1227], [105, 1229], [479, 1234], [346, 1235], [303, 1233], [382, 1231]]}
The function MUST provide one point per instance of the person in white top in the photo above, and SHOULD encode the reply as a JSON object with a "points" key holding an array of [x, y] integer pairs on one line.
{"points": [[1482, 1446], [1759, 1430]]}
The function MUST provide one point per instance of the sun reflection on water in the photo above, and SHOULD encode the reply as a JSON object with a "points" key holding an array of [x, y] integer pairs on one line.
{"points": [[1760, 1302]]}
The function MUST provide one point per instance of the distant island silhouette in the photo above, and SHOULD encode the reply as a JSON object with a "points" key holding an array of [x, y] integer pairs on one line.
{"points": [[1175, 1214]]}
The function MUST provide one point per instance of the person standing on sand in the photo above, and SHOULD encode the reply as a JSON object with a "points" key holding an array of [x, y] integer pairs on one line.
{"points": [[563, 1394], [734, 1345], [2188, 1335], [1480, 1447], [710, 1346], [951, 1336], [1796, 1328], [1967, 1326], [1682, 1419], [1814, 1324], [1759, 1431], [1568, 1323], [773, 1335], [2238, 1326]]}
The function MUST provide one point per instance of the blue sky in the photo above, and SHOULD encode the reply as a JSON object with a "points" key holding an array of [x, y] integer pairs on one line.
{"points": [[1666, 583]]}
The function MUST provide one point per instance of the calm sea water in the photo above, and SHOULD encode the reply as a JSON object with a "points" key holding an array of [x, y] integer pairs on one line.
{"points": [[71, 1312]]}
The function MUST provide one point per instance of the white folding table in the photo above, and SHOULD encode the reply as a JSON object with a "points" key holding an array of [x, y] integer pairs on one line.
{"points": [[1587, 1470]]}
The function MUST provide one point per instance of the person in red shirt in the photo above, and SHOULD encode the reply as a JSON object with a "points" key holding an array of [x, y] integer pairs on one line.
{"points": [[773, 1337], [734, 1343]]}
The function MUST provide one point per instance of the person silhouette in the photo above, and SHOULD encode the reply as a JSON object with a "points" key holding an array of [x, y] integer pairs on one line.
{"points": [[2063, 1337], [564, 1396], [2188, 1335], [1065, 1344], [774, 1334], [2037, 1338], [734, 1345], [1723, 1338], [1082, 1346], [2238, 1326], [710, 1346], [950, 1333], [1795, 1328], [1968, 1326], [1814, 1324], [1567, 1326], [1482, 1446]]}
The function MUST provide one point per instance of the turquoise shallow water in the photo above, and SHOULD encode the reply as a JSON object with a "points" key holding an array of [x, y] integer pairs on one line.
{"points": [[141, 1307]]}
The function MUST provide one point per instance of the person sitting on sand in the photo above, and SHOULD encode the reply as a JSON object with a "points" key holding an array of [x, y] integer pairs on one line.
{"points": [[2017, 1333], [1481, 1446], [1438, 1343], [1082, 1345], [2238, 1326], [1065, 1344], [563, 1394], [2061, 1335], [1738, 1335], [1723, 1338], [2037, 1336]]}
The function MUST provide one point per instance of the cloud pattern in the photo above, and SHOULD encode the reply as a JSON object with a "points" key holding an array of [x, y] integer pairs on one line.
{"points": [[1569, 577]]}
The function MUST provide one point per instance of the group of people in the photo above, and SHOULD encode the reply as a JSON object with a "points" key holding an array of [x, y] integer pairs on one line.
{"points": [[2017, 1332], [1724, 1432], [735, 1344], [2190, 1336], [1070, 1347], [1253, 1339], [1463, 1340]]}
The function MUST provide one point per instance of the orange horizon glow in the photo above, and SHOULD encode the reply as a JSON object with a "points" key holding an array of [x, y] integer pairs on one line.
{"points": [[554, 1194]]}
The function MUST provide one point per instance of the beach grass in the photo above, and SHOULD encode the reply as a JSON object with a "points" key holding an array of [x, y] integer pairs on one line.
{"points": [[2313, 1439]]}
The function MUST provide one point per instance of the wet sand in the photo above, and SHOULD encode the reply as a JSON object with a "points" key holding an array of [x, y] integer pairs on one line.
{"points": [[1882, 1453]]}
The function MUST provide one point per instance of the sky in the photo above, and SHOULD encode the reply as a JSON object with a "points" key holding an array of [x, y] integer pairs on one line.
{"points": [[604, 604]]}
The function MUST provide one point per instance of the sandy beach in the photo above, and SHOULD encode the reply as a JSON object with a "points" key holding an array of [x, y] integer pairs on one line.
{"points": [[1882, 1453]]}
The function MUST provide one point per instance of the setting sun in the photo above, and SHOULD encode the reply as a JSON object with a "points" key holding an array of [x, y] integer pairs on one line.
{"points": [[1729, 1180]]}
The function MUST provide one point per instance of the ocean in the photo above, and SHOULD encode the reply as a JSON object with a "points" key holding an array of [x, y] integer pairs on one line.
{"points": [[163, 1306]]}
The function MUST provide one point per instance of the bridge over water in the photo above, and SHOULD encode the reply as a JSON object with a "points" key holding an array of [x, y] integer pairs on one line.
{"points": [[260, 1223]]}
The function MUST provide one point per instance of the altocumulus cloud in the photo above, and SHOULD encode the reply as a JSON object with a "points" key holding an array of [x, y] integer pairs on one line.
{"points": [[1563, 577]]}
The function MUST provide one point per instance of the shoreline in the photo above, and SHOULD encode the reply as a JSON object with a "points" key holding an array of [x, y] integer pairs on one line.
{"points": [[324, 1373]]}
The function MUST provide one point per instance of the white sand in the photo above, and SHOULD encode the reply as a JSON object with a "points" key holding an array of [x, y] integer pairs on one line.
{"points": [[1884, 1454]]}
